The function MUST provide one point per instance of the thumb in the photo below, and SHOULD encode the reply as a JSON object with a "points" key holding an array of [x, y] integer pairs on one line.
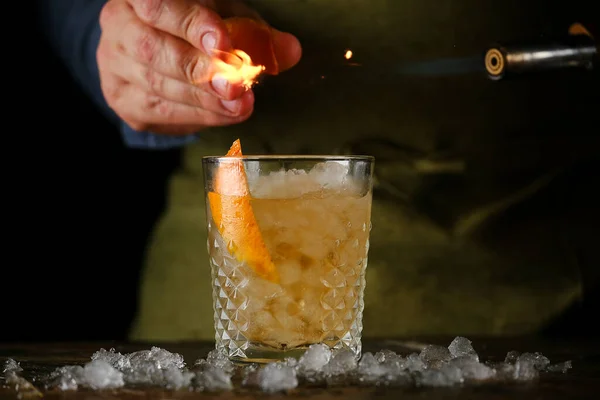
{"points": [[287, 48]]}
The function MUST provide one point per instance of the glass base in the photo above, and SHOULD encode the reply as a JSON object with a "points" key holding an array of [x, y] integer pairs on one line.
{"points": [[262, 354]]}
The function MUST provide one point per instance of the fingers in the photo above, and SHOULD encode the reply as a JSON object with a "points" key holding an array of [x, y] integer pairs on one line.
{"points": [[165, 53], [145, 111], [162, 52], [153, 82], [288, 50], [155, 111], [157, 66], [194, 21]]}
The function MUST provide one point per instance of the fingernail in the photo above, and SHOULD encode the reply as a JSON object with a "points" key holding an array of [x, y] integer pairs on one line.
{"points": [[220, 85], [231, 105], [209, 42]]}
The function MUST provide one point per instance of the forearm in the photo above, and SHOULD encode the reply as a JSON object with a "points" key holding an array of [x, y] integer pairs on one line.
{"points": [[73, 30]]}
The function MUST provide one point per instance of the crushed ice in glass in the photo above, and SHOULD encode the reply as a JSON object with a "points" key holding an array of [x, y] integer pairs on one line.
{"points": [[333, 176], [433, 366]]}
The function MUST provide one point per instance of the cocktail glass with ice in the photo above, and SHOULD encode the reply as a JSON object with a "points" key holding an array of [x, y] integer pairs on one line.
{"points": [[288, 238]]}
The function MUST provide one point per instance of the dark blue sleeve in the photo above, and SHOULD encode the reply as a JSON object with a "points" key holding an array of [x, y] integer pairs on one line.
{"points": [[73, 30]]}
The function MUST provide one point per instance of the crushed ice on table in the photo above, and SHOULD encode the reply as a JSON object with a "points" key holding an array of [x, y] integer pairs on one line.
{"points": [[109, 369], [11, 368], [12, 378], [433, 366]]}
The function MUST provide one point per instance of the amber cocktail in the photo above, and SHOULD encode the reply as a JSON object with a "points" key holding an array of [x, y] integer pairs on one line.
{"points": [[288, 238]]}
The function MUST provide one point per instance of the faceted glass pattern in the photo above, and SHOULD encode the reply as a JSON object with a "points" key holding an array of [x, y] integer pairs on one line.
{"points": [[319, 244]]}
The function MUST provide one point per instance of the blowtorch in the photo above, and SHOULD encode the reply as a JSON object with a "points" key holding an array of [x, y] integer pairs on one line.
{"points": [[576, 50]]}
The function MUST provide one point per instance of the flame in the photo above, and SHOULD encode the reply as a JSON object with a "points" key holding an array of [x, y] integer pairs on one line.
{"points": [[237, 67], [348, 54]]}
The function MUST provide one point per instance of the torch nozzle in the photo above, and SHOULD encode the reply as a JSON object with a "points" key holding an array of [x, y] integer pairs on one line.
{"points": [[573, 51]]}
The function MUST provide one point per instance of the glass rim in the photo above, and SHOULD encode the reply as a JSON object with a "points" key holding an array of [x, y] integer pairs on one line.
{"points": [[299, 157]]}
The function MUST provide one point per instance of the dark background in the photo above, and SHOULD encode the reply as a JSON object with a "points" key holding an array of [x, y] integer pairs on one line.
{"points": [[82, 206]]}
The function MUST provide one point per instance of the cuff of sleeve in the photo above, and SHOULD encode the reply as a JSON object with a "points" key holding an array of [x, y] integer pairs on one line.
{"points": [[153, 141]]}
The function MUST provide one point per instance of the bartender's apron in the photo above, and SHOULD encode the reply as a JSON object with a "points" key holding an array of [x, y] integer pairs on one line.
{"points": [[458, 244]]}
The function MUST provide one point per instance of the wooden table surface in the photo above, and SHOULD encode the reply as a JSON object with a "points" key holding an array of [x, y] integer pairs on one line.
{"points": [[580, 382]]}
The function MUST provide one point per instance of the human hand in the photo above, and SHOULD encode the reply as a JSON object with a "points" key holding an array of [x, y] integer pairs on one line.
{"points": [[156, 62]]}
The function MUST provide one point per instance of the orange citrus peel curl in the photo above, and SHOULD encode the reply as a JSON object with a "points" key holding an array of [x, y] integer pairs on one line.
{"points": [[255, 38], [231, 209]]}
